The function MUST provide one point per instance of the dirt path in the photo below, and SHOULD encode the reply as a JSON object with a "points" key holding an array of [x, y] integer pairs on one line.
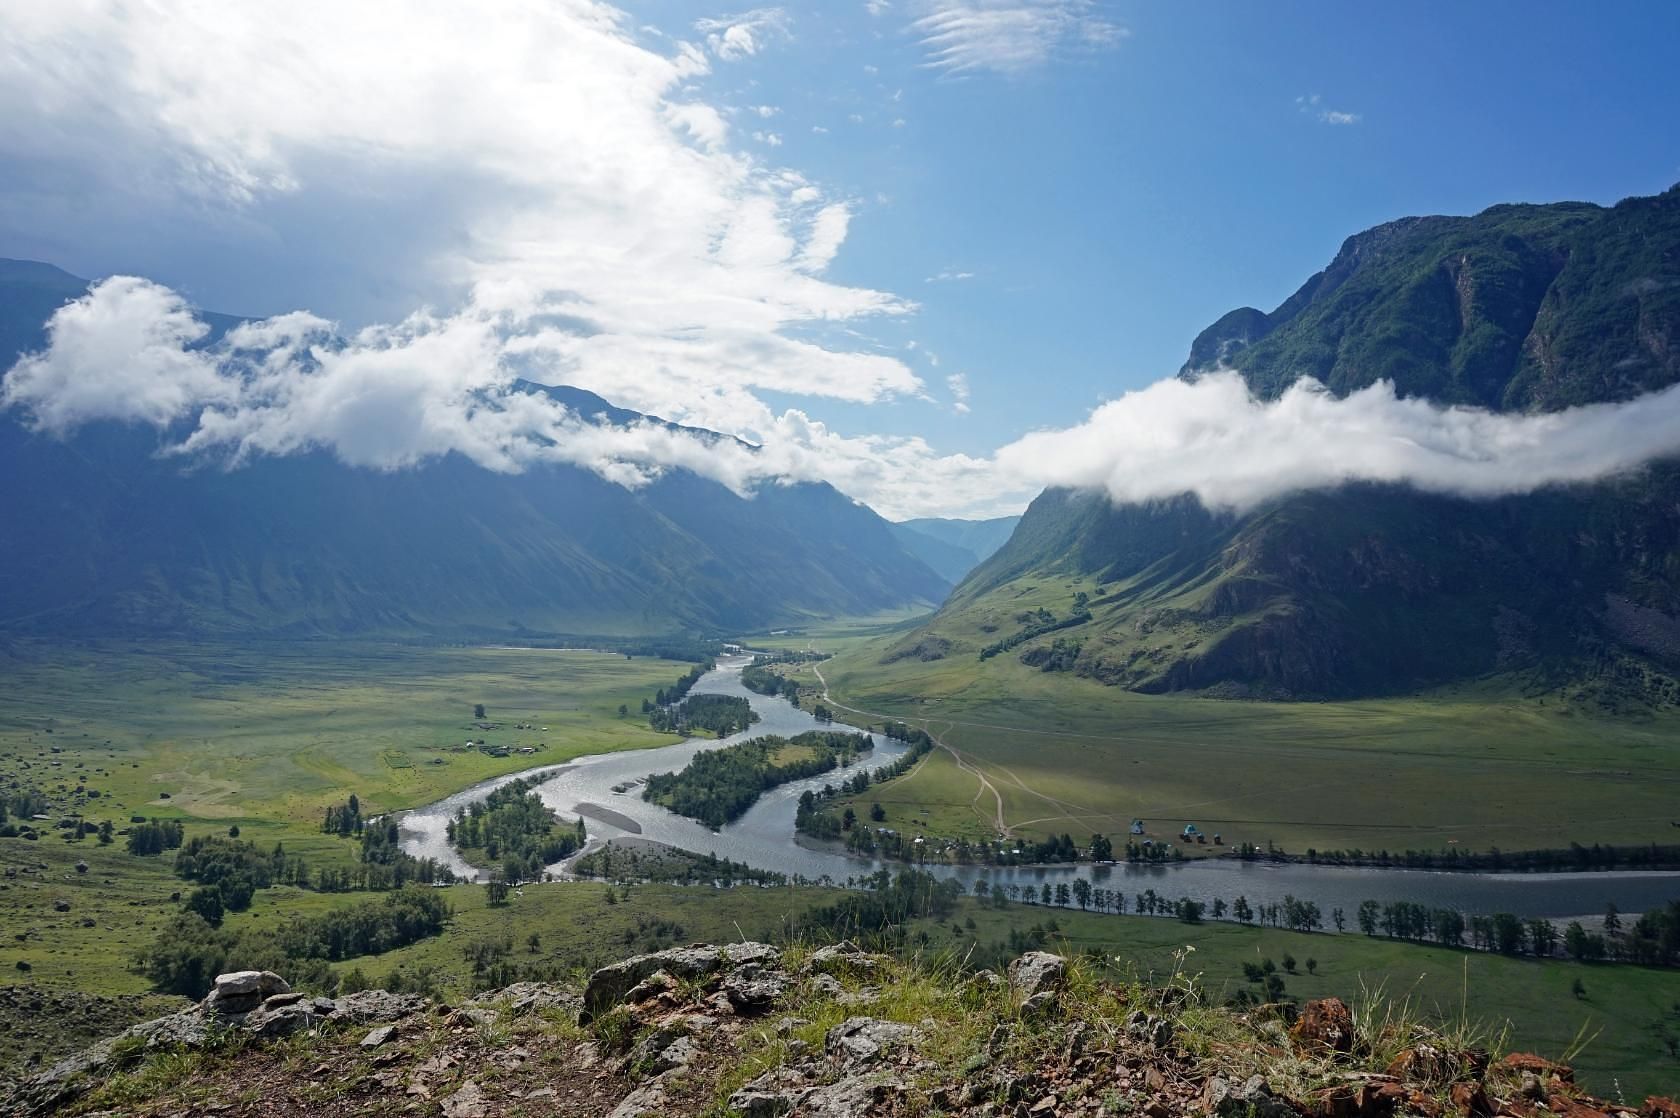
{"points": [[957, 755]]}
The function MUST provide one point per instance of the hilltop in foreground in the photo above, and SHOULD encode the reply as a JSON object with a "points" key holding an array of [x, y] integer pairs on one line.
{"points": [[747, 1029]]}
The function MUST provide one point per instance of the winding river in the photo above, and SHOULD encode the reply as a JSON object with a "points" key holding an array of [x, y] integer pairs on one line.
{"points": [[764, 838]]}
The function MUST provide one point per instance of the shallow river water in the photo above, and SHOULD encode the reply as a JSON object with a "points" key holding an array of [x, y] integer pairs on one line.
{"points": [[764, 838]]}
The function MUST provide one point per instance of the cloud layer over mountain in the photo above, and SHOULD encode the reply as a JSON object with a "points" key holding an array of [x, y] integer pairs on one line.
{"points": [[390, 397]]}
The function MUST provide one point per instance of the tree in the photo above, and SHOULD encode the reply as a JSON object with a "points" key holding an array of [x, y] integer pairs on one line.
{"points": [[1338, 919], [1218, 908], [848, 819], [623, 710], [1190, 911], [1242, 911], [1578, 988], [206, 901], [533, 942], [233, 831], [1312, 966], [1082, 892], [478, 711], [1102, 849], [878, 813], [1063, 894], [497, 893], [1289, 962], [1612, 919], [1367, 917]]}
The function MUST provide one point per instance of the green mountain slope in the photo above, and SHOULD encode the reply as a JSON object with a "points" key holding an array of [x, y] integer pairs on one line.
{"points": [[954, 547], [1382, 589], [105, 537]]}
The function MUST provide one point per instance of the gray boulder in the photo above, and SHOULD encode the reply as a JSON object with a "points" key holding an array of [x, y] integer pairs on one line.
{"points": [[1038, 972], [860, 1041]]}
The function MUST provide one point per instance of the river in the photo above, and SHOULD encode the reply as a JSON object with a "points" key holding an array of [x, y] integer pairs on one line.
{"points": [[764, 838]]}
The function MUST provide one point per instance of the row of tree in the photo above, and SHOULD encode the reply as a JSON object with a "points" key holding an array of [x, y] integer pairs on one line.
{"points": [[189, 952], [1575, 858], [815, 815]]}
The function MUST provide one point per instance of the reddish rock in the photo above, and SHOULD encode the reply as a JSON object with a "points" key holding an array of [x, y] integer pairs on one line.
{"points": [[1333, 1102], [1657, 1106], [1565, 1107], [1325, 1023], [1470, 1100], [1379, 1100], [1518, 1062]]}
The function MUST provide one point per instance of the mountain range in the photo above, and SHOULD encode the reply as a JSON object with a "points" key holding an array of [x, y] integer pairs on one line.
{"points": [[954, 547], [1379, 589], [106, 537]]}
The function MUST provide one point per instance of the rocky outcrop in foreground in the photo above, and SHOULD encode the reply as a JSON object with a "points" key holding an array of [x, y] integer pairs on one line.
{"points": [[837, 1032]]}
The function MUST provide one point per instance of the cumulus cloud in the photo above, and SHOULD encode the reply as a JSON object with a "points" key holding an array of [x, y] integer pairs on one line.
{"points": [[1009, 36], [603, 194], [1313, 105], [958, 384], [1215, 439], [395, 396], [735, 37]]}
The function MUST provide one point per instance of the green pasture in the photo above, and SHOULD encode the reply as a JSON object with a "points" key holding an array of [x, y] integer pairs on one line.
{"points": [[1479, 767]]}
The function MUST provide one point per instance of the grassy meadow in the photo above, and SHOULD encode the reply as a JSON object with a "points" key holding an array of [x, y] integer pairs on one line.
{"points": [[1478, 767], [267, 736]]}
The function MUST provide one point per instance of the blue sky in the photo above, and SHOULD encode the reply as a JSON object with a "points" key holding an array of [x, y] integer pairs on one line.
{"points": [[1112, 203], [886, 239]]}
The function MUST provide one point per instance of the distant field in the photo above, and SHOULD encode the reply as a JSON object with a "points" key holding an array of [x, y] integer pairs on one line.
{"points": [[266, 736], [1476, 768]]}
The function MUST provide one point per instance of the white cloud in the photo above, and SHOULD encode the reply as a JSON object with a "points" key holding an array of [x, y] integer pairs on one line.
{"points": [[1009, 36], [769, 139], [818, 130], [765, 111], [949, 275], [1216, 440], [958, 384], [1313, 106], [597, 206], [735, 37], [878, 7]]}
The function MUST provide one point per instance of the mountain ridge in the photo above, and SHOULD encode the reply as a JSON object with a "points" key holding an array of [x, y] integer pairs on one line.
{"points": [[121, 541], [1381, 589]]}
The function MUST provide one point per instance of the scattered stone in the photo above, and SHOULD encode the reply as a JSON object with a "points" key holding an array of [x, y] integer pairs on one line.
{"points": [[753, 989], [827, 985], [384, 1034], [467, 1102]]}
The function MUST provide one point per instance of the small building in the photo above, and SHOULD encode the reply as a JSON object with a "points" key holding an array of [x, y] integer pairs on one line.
{"points": [[1137, 826], [1190, 831]]}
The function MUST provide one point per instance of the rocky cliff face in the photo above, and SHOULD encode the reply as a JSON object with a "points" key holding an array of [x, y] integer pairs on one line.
{"points": [[1371, 590], [747, 1029]]}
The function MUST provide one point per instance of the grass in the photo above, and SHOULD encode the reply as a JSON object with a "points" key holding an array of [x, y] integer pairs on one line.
{"points": [[1474, 767], [270, 735]]}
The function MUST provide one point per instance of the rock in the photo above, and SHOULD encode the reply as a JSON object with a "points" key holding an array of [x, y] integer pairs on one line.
{"points": [[1518, 1062], [263, 982], [608, 986], [1041, 1004], [284, 1020], [752, 989], [532, 997], [1471, 1101], [1379, 1099], [367, 1007], [1327, 1024], [760, 1104], [646, 1101], [661, 1049], [1157, 1031], [827, 985], [1529, 1085], [467, 1102], [863, 1040], [275, 1001], [844, 957], [849, 1098], [384, 1034], [1659, 1106], [1038, 972]]}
